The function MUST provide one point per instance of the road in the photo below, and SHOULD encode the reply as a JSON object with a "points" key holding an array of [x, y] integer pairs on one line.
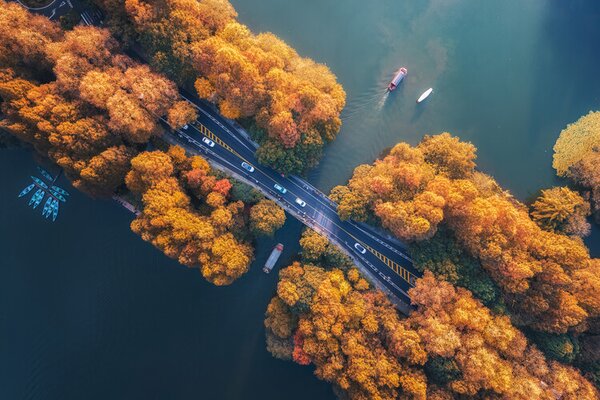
{"points": [[227, 146], [223, 142]]}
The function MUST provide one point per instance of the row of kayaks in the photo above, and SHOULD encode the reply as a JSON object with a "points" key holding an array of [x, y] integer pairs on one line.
{"points": [[397, 79], [50, 206]]}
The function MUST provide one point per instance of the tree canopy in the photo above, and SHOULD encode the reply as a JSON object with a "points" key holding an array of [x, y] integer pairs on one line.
{"points": [[203, 240], [292, 104], [450, 347], [415, 190], [77, 99]]}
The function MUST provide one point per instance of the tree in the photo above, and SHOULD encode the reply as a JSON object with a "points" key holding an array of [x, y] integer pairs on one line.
{"points": [[266, 217], [540, 274], [317, 249], [313, 245], [198, 239], [296, 101], [181, 114], [576, 142], [585, 173], [562, 210], [344, 332], [147, 169]]}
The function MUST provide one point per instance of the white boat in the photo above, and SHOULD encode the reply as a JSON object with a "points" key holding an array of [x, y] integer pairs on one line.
{"points": [[424, 95]]}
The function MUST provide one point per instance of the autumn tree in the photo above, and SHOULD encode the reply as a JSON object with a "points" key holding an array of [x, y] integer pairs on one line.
{"points": [[292, 104], [476, 353], [171, 223], [95, 105], [562, 210], [576, 142], [414, 190], [587, 174], [354, 338], [317, 249], [451, 346], [266, 217]]}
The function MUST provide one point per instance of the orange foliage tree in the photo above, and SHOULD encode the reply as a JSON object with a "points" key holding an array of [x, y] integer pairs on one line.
{"points": [[203, 240], [451, 346], [415, 189], [96, 106], [293, 103]]}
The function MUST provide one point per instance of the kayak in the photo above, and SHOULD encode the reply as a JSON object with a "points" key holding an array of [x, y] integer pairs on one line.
{"points": [[424, 95]]}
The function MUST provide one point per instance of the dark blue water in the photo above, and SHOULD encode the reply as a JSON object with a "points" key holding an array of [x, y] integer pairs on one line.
{"points": [[89, 311]]}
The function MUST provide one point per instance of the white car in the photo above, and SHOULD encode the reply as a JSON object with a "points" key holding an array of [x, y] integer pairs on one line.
{"points": [[208, 142], [247, 167], [359, 248], [185, 127], [280, 188], [300, 202]]}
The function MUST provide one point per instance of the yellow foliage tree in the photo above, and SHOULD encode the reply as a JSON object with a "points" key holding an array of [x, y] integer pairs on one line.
{"points": [[576, 141]]}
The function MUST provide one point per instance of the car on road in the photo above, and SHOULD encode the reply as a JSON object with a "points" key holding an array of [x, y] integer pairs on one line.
{"points": [[280, 188], [247, 167], [359, 248], [185, 127], [208, 142], [300, 202]]}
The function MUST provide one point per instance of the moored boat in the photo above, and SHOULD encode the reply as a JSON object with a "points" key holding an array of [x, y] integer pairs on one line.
{"points": [[424, 95], [400, 74]]}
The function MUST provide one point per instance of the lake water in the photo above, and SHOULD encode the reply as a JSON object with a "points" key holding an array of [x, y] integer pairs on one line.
{"points": [[89, 311]]}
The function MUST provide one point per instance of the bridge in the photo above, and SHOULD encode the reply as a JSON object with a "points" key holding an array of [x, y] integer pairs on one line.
{"points": [[382, 259]]}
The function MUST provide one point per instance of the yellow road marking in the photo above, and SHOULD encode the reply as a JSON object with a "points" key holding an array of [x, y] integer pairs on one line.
{"points": [[209, 134], [399, 270]]}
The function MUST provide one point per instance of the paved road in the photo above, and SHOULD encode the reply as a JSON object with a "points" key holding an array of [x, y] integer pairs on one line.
{"points": [[226, 145], [223, 142]]}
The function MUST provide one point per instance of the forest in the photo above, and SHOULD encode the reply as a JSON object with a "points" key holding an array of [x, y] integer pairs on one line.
{"points": [[506, 287], [80, 101], [452, 346], [290, 104], [508, 305]]}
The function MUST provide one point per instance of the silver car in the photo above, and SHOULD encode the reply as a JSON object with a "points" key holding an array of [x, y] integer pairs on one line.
{"points": [[247, 167], [300, 202], [359, 248], [208, 142]]}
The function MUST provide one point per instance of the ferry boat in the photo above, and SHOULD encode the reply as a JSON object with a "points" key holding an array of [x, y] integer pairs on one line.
{"points": [[400, 74]]}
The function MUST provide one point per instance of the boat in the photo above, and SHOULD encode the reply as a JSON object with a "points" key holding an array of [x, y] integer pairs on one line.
{"points": [[60, 190], [45, 174], [26, 190], [37, 198], [273, 258], [424, 95], [54, 210], [39, 182], [400, 74], [58, 196], [47, 207]]}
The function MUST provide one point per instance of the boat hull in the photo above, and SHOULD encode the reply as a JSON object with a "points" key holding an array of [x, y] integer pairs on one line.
{"points": [[400, 74], [425, 95]]}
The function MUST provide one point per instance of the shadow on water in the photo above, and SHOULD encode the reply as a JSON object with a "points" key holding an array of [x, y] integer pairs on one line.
{"points": [[418, 111]]}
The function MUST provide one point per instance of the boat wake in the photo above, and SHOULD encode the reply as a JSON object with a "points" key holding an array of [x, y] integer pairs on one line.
{"points": [[372, 102], [382, 101]]}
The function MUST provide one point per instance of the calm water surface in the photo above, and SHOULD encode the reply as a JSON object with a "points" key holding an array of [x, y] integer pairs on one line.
{"points": [[89, 311]]}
